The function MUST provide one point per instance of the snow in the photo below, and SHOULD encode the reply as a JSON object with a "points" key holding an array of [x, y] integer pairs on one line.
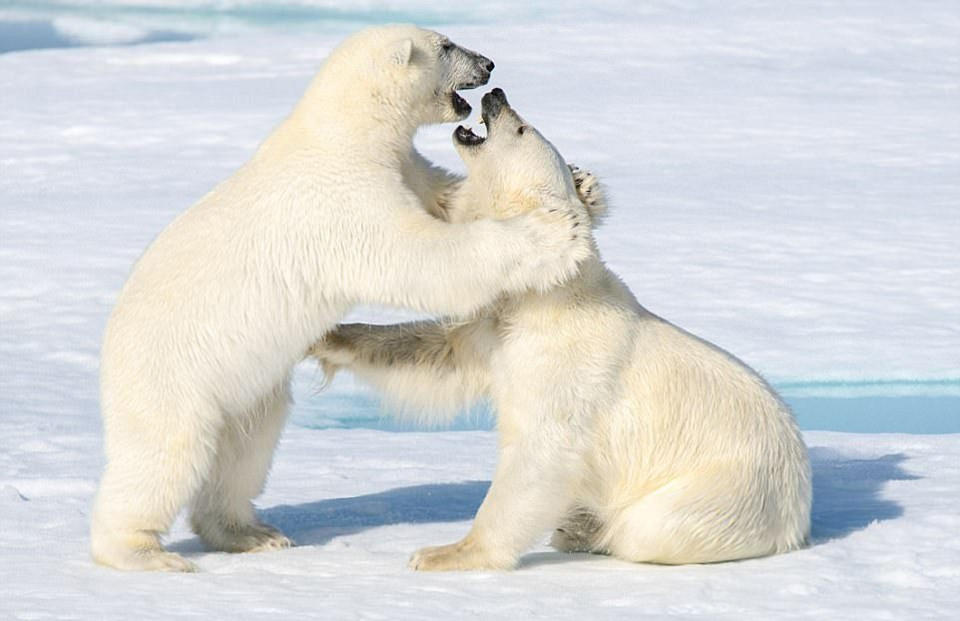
{"points": [[360, 501], [785, 181]]}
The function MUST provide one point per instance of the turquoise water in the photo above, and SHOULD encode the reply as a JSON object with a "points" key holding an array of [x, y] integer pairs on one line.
{"points": [[926, 408], [932, 414]]}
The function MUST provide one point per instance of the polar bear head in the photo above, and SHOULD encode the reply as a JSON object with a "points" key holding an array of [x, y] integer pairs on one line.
{"points": [[514, 169], [400, 75]]}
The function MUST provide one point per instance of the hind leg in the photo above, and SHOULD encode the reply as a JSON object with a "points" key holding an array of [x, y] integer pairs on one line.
{"points": [[155, 462], [223, 514], [579, 532], [707, 518]]}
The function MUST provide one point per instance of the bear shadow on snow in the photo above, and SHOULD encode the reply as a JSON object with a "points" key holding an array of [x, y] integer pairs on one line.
{"points": [[847, 492], [846, 498], [316, 523]]}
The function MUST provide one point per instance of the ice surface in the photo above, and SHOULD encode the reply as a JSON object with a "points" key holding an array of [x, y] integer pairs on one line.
{"points": [[785, 180], [358, 502]]}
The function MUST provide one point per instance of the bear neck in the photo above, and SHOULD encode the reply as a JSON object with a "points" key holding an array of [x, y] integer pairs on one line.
{"points": [[331, 113], [592, 276]]}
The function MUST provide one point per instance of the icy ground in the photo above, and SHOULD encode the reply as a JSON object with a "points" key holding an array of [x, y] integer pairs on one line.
{"points": [[786, 183], [359, 502]]}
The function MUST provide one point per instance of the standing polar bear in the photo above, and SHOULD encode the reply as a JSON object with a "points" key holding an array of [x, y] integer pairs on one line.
{"points": [[333, 210], [621, 431]]}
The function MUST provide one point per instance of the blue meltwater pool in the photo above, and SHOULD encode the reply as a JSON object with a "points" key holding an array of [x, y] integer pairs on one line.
{"points": [[922, 407]]}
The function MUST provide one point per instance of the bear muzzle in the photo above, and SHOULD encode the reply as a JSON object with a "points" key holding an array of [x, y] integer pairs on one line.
{"points": [[492, 104]]}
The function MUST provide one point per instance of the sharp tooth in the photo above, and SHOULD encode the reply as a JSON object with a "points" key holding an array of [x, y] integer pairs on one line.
{"points": [[481, 120]]}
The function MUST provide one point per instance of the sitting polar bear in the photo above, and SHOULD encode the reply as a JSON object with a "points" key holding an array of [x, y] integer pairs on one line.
{"points": [[333, 210], [621, 431]]}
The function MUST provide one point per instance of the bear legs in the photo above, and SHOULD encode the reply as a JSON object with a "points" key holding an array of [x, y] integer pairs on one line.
{"points": [[222, 513]]}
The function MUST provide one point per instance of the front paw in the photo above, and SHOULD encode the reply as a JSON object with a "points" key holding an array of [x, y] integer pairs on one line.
{"points": [[465, 555], [590, 192], [333, 351], [562, 240]]}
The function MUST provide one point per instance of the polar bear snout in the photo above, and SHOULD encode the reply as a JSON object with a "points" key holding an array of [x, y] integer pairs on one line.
{"points": [[495, 110], [483, 66], [476, 68], [468, 70], [492, 104], [486, 63]]}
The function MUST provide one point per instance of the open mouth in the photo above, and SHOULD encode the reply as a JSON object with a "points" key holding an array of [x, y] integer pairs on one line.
{"points": [[466, 137], [460, 105]]}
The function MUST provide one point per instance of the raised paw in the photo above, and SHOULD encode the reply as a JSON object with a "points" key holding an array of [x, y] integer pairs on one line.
{"points": [[465, 555], [563, 236], [590, 192], [333, 352]]}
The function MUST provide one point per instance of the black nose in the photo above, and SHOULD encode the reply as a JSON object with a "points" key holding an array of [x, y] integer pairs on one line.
{"points": [[484, 62]]}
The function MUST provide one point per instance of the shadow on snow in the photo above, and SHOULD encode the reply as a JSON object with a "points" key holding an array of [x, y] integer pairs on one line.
{"points": [[316, 523], [847, 497], [847, 493]]}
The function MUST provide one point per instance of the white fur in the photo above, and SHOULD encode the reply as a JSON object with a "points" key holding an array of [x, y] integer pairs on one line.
{"points": [[330, 212], [623, 432]]}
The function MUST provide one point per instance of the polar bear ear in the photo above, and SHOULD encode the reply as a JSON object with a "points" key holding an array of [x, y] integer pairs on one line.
{"points": [[401, 51]]}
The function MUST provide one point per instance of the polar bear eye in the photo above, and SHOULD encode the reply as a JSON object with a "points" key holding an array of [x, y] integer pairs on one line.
{"points": [[447, 47], [521, 129]]}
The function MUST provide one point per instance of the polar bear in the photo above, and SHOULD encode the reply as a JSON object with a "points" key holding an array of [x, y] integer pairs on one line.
{"points": [[624, 433], [333, 210]]}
